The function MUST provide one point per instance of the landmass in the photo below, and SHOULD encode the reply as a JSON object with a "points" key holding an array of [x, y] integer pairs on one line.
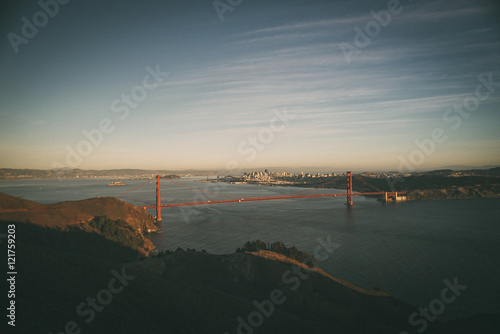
{"points": [[456, 192], [68, 173], [77, 275], [438, 184], [108, 217]]}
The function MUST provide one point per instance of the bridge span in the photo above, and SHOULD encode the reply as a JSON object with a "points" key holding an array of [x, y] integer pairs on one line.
{"points": [[387, 196]]}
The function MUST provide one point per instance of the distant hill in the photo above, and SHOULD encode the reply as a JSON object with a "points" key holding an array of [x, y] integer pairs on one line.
{"points": [[444, 172], [495, 171], [491, 171], [456, 192], [66, 173]]}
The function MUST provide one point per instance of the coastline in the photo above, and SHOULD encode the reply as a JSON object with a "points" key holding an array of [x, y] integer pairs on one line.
{"points": [[455, 192], [451, 192]]}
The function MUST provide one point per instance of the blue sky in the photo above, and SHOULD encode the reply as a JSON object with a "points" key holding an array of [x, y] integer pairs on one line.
{"points": [[229, 79]]}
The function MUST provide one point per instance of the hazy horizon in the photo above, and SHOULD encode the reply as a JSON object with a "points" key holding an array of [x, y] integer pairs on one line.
{"points": [[356, 85], [305, 169]]}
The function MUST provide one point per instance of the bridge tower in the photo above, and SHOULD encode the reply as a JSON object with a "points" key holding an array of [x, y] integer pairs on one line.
{"points": [[349, 189], [158, 199]]}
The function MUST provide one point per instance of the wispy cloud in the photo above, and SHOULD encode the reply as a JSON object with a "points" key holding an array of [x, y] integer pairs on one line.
{"points": [[226, 80], [437, 11], [321, 24]]}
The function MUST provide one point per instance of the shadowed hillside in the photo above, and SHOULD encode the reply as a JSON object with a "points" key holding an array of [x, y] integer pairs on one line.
{"points": [[66, 277], [182, 291]]}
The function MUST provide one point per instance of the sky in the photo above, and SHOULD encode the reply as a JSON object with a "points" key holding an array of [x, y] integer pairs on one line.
{"points": [[238, 84]]}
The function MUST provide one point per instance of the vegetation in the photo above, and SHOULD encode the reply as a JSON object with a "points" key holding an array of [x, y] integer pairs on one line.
{"points": [[280, 248], [433, 181], [188, 292], [117, 231], [85, 242], [437, 179]]}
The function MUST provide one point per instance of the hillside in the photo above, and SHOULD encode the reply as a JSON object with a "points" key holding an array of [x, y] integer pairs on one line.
{"points": [[74, 212], [84, 215], [79, 280], [182, 292], [455, 192], [190, 292]]}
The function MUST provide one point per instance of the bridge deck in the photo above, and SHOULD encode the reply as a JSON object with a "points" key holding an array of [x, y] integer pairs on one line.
{"points": [[253, 199]]}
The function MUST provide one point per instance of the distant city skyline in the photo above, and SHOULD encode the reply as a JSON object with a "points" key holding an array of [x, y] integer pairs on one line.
{"points": [[340, 85]]}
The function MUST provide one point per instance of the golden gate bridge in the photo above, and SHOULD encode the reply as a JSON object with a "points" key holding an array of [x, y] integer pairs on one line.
{"points": [[388, 196]]}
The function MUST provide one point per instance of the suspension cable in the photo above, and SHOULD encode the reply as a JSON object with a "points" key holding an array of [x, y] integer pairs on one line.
{"points": [[205, 191], [366, 183], [147, 181], [317, 187]]}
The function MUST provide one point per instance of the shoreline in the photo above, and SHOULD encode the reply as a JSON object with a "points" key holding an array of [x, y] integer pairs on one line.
{"points": [[451, 192]]}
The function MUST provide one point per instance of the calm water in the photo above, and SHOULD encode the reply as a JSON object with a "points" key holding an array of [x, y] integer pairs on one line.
{"points": [[407, 249]]}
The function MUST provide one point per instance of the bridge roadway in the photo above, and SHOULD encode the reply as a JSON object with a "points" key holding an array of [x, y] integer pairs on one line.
{"points": [[253, 199]]}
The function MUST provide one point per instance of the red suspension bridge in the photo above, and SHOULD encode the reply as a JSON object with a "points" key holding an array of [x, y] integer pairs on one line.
{"points": [[387, 196]]}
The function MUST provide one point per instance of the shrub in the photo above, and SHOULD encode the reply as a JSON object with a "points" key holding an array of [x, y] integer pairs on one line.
{"points": [[280, 248], [117, 231]]}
